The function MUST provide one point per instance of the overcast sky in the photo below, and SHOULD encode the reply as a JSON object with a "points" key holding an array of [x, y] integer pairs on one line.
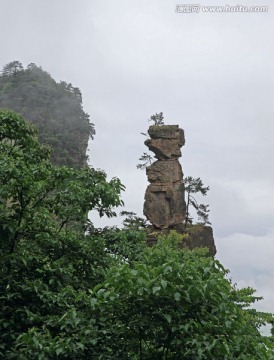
{"points": [[212, 73]]}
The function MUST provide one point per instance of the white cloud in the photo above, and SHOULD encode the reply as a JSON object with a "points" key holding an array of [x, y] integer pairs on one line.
{"points": [[250, 261], [244, 205]]}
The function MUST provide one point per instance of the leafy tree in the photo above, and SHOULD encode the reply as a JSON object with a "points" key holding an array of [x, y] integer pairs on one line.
{"points": [[146, 160], [194, 186], [69, 293], [46, 260], [132, 221], [54, 108], [158, 119], [177, 304], [12, 68], [125, 245]]}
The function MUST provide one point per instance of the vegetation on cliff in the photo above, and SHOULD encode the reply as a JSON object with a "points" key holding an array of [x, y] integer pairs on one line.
{"points": [[69, 291], [54, 108]]}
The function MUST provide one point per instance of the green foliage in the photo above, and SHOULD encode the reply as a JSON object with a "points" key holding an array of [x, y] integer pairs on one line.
{"points": [[54, 108], [146, 160], [67, 293], [158, 119], [194, 186], [46, 260], [132, 221], [124, 245], [12, 68], [178, 305]]}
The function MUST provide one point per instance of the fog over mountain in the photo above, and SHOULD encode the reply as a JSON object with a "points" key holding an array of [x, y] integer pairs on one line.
{"points": [[211, 73]]}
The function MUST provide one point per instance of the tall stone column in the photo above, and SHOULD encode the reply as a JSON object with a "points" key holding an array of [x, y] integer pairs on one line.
{"points": [[164, 203]]}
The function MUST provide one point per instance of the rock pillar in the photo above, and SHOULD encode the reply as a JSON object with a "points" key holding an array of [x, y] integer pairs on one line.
{"points": [[164, 203]]}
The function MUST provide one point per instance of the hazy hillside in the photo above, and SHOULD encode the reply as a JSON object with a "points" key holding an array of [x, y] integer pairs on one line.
{"points": [[55, 108]]}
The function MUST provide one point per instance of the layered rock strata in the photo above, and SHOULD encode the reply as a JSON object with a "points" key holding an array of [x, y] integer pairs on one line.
{"points": [[164, 203]]}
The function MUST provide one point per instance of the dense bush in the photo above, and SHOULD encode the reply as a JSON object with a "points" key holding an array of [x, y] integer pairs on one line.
{"points": [[69, 291]]}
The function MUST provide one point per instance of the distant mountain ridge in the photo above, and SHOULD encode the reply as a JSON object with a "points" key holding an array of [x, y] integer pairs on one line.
{"points": [[54, 108]]}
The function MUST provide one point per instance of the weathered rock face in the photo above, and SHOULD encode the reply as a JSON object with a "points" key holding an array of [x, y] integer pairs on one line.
{"points": [[164, 199], [166, 141], [199, 236], [196, 236]]}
